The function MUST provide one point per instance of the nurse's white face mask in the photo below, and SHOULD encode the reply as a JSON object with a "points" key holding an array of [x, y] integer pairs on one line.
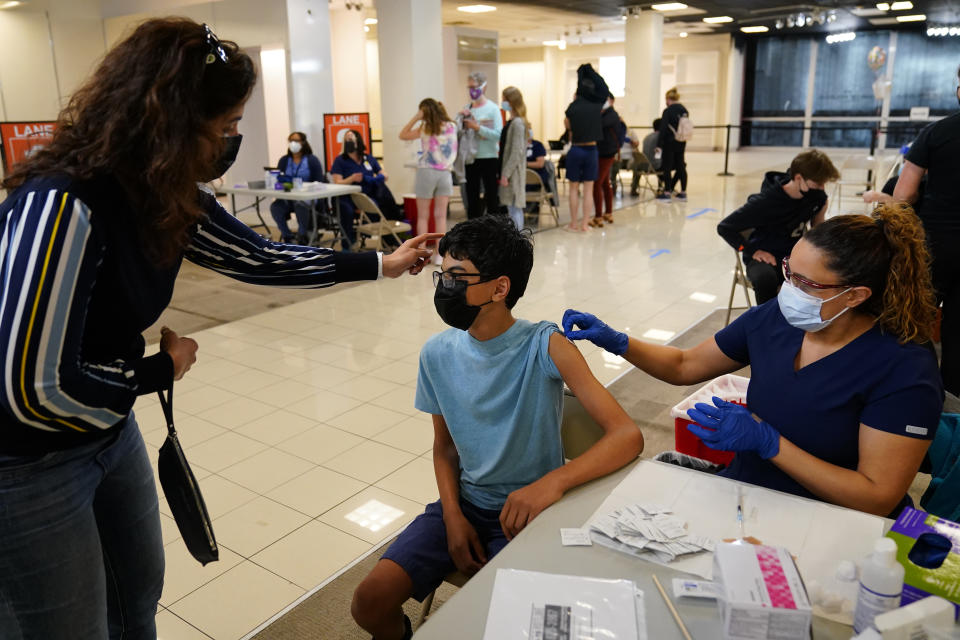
{"points": [[802, 310]]}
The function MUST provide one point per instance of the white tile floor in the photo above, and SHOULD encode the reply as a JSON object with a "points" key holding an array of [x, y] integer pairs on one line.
{"points": [[295, 418]]}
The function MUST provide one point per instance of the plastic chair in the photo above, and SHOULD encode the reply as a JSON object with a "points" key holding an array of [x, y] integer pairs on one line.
{"points": [[866, 164], [542, 195], [375, 228], [578, 432], [942, 497]]}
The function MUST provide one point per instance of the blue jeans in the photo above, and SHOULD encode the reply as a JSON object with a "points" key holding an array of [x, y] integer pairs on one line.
{"points": [[280, 210], [81, 555]]}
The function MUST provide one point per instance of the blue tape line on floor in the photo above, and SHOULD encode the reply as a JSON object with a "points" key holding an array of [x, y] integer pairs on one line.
{"points": [[697, 214], [658, 252]]}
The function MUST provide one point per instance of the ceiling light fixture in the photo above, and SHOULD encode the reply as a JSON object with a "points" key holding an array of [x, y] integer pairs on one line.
{"points": [[918, 17], [669, 6], [10, 5], [370, 21], [901, 6], [683, 34], [883, 6], [718, 20], [476, 8], [841, 37], [758, 29]]}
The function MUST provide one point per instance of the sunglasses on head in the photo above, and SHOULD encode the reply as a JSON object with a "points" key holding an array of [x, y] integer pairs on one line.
{"points": [[216, 48]]}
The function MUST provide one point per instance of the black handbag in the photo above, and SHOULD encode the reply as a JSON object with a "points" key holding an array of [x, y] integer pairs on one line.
{"points": [[183, 493]]}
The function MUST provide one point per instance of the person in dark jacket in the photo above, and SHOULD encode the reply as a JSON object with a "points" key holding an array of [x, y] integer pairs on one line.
{"points": [[298, 163], [768, 225], [607, 149], [672, 162]]}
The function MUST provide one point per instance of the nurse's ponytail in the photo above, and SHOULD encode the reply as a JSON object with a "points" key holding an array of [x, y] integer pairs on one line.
{"points": [[887, 252]]}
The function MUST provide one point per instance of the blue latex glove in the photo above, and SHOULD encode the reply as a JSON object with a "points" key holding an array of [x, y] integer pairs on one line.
{"points": [[594, 330], [730, 427]]}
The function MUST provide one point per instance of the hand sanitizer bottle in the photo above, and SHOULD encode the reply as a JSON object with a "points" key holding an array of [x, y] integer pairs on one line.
{"points": [[881, 584]]}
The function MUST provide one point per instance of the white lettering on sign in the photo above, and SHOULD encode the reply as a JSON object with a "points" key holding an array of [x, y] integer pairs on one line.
{"points": [[355, 119], [26, 130]]}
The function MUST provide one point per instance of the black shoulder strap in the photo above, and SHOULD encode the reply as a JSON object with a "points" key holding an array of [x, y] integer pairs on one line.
{"points": [[167, 404]]}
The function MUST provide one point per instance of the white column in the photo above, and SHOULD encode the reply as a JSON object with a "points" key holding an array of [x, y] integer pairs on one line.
{"points": [[643, 45], [410, 34], [310, 77], [734, 110], [555, 103], [348, 44]]}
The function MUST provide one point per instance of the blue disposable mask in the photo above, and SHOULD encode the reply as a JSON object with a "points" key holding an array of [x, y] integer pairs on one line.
{"points": [[802, 310], [505, 105]]}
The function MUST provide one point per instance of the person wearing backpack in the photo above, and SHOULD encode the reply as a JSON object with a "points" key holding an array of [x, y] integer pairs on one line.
{"points": [[676, 129]]}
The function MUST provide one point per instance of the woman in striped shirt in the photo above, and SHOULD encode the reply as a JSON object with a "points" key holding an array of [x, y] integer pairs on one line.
{"points": [[94, 230]]}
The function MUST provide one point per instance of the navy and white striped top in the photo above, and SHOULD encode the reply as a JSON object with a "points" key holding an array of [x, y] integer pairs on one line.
{"points": [[78, 292]]}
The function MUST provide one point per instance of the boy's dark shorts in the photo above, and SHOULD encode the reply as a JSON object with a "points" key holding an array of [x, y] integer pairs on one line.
{"points": [[421, 549]]}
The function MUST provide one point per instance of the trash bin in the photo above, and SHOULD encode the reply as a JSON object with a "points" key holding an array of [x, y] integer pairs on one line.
{"points": [[729, 387], [410, 213]]}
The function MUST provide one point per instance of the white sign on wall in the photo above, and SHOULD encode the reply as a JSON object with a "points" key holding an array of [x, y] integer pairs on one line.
{"points": [[919, 113]]}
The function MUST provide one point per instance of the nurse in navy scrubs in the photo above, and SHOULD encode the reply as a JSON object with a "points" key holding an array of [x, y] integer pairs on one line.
{"points": [[843, 398]]}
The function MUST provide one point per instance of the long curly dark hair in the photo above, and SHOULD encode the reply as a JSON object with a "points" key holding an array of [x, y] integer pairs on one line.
{"points": [[147, 118], [886, 251]]}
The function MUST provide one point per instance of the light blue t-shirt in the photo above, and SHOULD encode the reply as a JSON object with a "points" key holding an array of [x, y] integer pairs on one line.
{"points": [[490, 120], [502, 400]]}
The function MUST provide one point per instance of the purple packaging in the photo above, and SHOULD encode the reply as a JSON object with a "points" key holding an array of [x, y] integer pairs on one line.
{"points": [[928, 547]]}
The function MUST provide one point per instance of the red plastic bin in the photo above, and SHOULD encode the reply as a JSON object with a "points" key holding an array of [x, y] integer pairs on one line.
{"points": [[729, 387], [410, 213]]}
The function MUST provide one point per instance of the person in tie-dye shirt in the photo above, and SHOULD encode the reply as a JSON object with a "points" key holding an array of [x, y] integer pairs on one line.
{"points": [[438, 139]]}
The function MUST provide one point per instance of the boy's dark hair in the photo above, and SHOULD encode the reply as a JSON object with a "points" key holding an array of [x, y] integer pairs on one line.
{"points": [[495, 246], [814, 165], [656, 124]]}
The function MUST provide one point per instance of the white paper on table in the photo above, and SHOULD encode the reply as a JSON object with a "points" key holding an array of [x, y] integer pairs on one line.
{"points": [[523, 602], [818, 534]]}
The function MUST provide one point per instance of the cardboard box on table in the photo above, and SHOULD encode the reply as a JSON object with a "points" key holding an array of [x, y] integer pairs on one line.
{"points": [[932, 533]]}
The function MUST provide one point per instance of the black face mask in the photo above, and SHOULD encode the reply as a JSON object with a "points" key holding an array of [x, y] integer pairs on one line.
{"points": [[451, 305], [350, 146], [230, 149]]}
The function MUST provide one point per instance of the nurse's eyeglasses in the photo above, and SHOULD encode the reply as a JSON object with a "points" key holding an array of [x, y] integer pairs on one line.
{"points": [[216, 48], [797, 280]]}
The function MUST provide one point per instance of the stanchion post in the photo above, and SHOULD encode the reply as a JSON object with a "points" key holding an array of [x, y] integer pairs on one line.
{"points": [[726, 156]]}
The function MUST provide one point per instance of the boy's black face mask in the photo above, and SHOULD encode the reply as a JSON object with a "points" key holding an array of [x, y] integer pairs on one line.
{"points": [[451, 305]]}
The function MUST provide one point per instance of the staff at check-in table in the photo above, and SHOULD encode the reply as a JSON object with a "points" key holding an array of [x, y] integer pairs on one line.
{"points": [[538, 548], [311, 191], [844, 398]]}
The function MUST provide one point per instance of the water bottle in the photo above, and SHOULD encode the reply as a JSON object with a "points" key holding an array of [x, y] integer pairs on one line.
{"points": [[267, 179], [881, 584]]}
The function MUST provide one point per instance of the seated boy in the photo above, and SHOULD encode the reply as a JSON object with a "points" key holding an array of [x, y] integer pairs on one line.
{"points": [[774, 219], [494, 386]]}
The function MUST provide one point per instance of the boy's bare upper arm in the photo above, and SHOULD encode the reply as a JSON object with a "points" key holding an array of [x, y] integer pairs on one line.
{"points": [[594, 397], [441, 435]]}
